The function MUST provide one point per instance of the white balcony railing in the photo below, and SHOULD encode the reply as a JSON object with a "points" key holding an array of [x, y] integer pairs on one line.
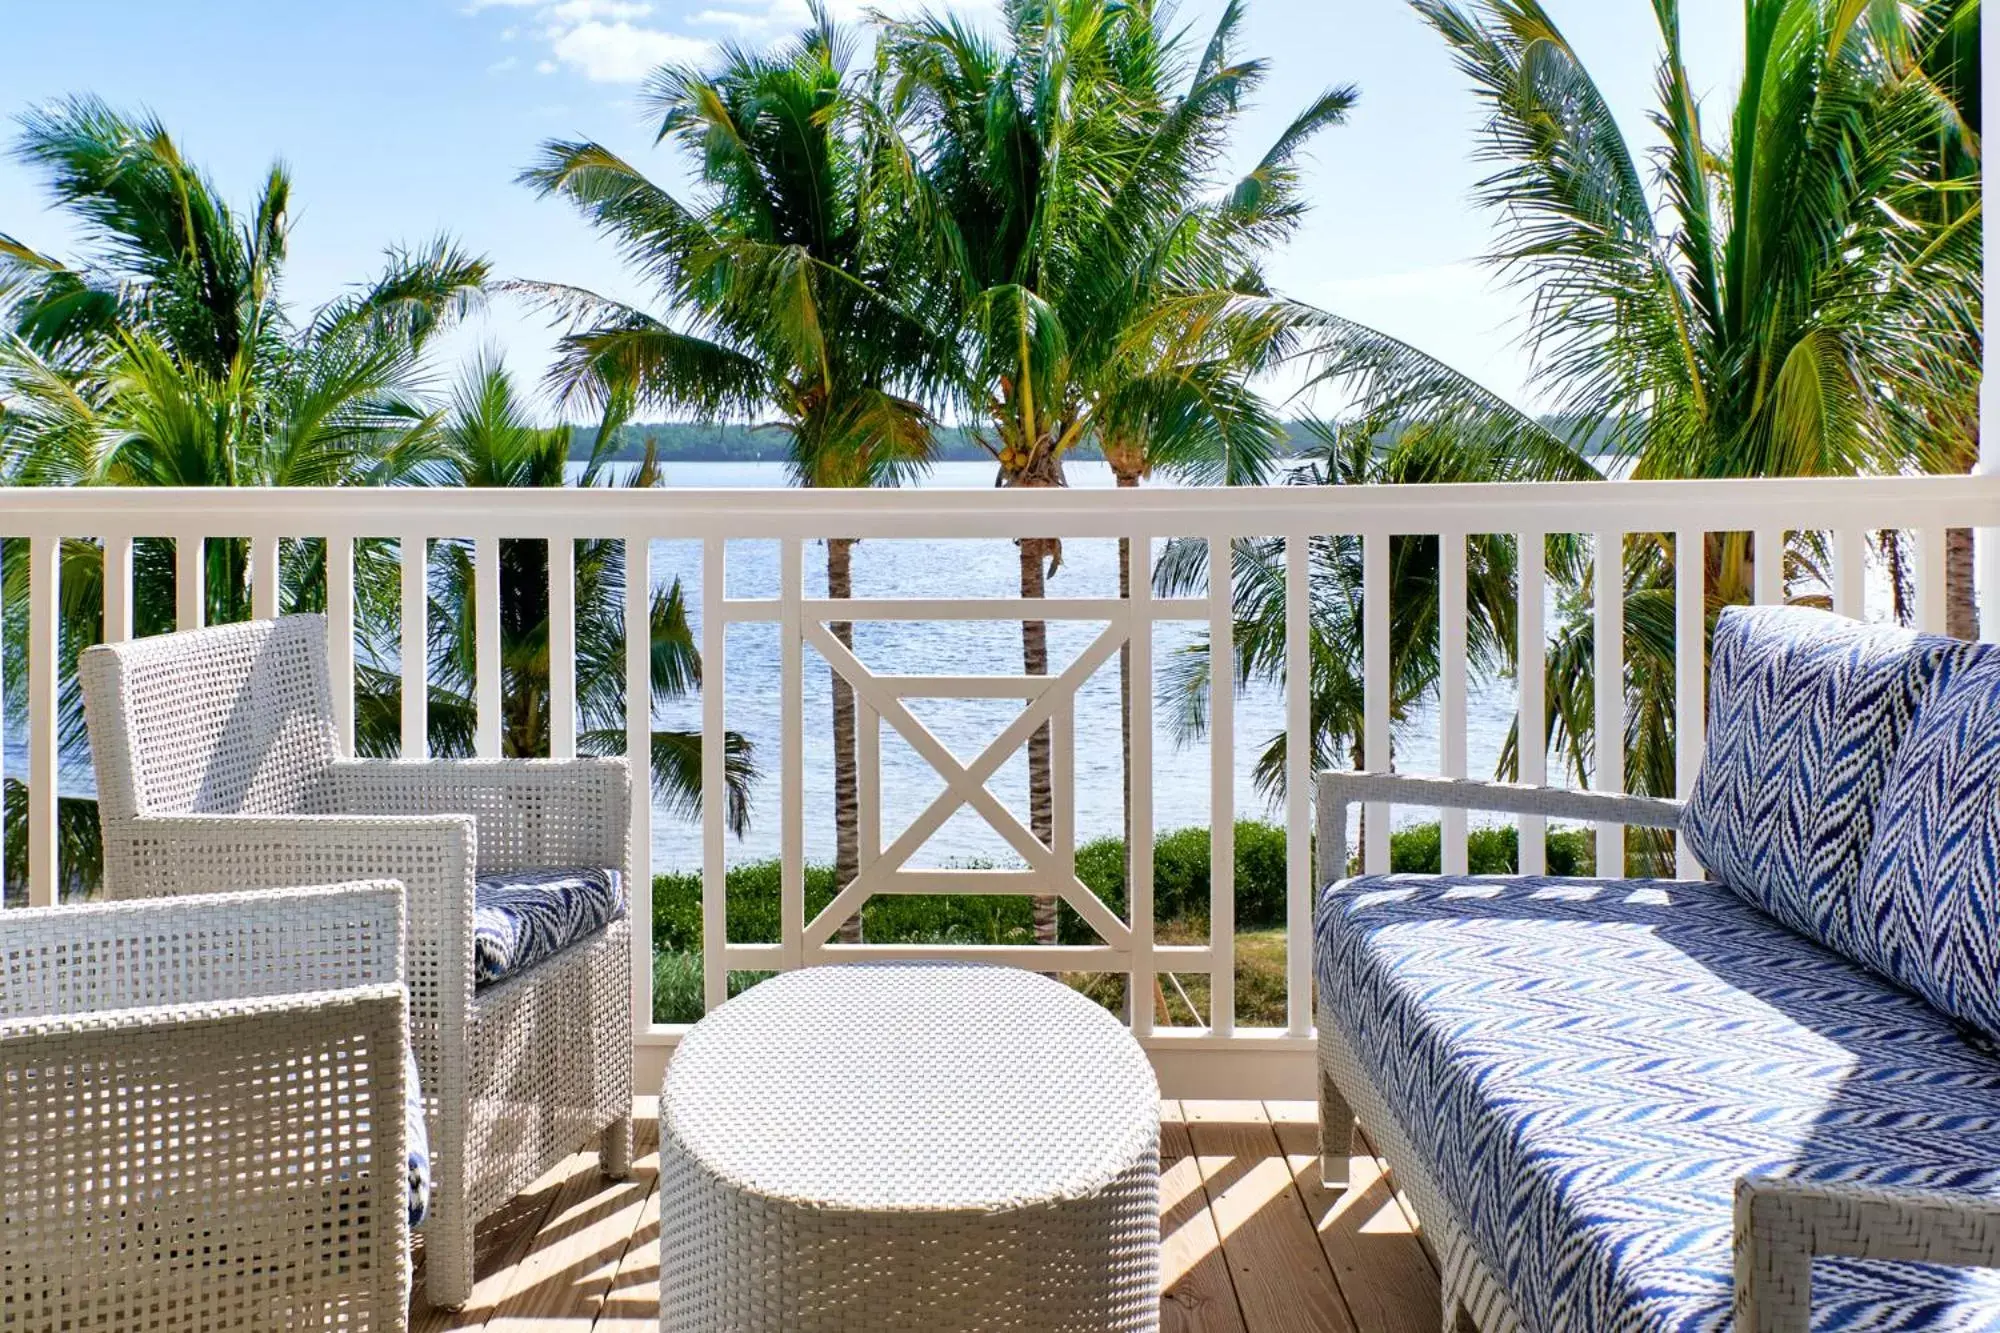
{"points": [[1222, 1057]]}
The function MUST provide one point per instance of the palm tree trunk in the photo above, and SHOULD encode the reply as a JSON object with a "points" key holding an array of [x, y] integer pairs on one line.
{"points": [[1035, 553], [846, 779], [1961, 603]]}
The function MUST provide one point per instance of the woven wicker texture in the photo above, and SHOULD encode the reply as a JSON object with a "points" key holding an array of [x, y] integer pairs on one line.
{"points": [[202, 1113], [909, 1147], [216, 771]]}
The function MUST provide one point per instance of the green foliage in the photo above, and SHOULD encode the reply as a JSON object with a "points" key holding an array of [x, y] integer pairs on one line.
{"points": [[79, 850], [1490, 850], [488, 440]]}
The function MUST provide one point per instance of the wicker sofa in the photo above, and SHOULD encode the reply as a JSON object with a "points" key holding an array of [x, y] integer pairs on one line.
{"points": [[217, 768], [1767, 1100], [195, 1096]]}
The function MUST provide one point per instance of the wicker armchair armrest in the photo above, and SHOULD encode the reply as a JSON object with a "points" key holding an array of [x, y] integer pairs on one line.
{"points": [[1340, 789], [213, 948], [277, 1099], [1782, 1224], [531, 812]]}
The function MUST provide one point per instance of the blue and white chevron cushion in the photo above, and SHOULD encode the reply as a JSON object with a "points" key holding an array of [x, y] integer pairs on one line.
{"points": [[1929, 899], [1588, 1066], [1806, 713], [418, 1143], [521, 917]]}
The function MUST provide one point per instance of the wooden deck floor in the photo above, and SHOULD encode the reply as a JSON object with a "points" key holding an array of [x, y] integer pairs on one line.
{"points": [[1252, 1243]]}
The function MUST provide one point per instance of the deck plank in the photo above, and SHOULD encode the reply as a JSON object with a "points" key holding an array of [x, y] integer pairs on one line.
{"points": [[1283, 1281], [502, 1241], [630, 1301], [563, 1278], [1384, 1272], [1198, 1293], [1250, 1242]]}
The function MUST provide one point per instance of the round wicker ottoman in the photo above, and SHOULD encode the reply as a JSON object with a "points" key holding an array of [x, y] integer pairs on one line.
{"points": [[909, 1146]]}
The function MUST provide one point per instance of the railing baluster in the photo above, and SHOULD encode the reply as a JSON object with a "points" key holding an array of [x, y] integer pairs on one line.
{"points": [[190, 582], [340, 637], [44, 755], [639, 759], [1690, 674], [562, 647], [117, 583], [1222, 786], [714, 874], [1609, 612], [1531, 683], [868, 779], [1850, 574], [1375, 669], [415, 650], [791, 744], [1933, 598], [1062, 787], [486, 645], [1770, 560], [1139, 841], [264, 576], [1451, 691], [1298, 786]]}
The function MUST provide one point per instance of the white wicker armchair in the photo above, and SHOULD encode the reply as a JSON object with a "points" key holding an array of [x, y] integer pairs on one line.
{"points": [[194, 1100], [217, 768]]}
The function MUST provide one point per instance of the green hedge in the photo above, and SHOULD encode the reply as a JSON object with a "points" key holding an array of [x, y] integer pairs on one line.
{"points": [[1180, 888]]}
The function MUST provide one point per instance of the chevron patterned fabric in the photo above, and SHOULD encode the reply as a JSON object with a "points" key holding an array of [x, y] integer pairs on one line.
{"points": [[1929, 897], [1806, 713], [1589, 1066]]}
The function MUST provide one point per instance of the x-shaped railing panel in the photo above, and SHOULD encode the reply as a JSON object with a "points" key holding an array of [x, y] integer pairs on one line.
{"points": [[965, 784]]}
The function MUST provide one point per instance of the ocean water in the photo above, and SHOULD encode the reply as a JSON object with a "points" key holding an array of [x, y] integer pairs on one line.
{"points": [[906, 568]]}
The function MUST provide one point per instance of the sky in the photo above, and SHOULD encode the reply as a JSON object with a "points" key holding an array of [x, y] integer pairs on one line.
{"points": [[401, 119]]}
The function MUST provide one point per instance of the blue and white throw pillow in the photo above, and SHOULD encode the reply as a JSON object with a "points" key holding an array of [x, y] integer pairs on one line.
{"points": [[1929, 898], [1806, 713]]}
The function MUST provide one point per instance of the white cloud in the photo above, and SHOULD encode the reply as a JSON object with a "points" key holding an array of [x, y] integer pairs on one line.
{"points": [[622, 41], [622, 53], [502, 66]]}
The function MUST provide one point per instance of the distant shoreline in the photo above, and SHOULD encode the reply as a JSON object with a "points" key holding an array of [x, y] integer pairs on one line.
{"points": [[693, 442]]}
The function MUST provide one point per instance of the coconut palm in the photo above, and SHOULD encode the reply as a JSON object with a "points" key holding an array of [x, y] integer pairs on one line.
{"points": [[1799, 298], [1367, 453], [489, 440], [1081, 238], [162, 354], [786, 275]]}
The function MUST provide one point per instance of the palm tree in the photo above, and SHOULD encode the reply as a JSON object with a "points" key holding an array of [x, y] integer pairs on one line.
{"points": [[1369, 453], [488, 440], [1800, 299], [788, 271], [1080, 243], [162, 354]]}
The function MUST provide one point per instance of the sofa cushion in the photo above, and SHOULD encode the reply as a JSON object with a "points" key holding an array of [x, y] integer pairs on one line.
{"points": [[1806, 713], [1929, 898], [521, 917], [1589, 1066], [418, 1142]]}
